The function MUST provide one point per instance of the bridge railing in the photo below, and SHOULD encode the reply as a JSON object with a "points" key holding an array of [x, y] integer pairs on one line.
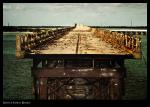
{"points": [[27, 42], [130, 43]]}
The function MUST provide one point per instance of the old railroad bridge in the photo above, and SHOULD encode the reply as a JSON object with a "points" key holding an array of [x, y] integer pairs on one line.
{"points": [[78, 62]]}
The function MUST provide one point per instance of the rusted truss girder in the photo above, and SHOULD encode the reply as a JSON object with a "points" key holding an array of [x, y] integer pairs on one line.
{"points": [[105, 88], [78, 79]]}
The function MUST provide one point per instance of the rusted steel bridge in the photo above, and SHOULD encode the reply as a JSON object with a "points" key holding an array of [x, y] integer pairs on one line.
{"points": [[78, 62]]}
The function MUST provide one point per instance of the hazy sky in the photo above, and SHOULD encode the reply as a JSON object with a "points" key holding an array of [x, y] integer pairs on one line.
{"points": [[34, 14]]}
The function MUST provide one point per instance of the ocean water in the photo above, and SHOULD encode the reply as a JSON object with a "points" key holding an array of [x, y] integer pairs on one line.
{"points": [[136, 80], [17, 80]]}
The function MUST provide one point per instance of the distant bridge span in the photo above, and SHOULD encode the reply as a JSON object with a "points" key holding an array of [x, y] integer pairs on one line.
{"points": [[131, 31]]}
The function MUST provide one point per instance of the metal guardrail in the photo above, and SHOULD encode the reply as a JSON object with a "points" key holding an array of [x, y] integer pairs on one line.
{"points": [[26, 42], [130, 43]]}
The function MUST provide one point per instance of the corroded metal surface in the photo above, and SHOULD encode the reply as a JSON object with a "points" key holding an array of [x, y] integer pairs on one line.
{"points": [[74, 72], [106, 88], [76, 79], [80, 88]]}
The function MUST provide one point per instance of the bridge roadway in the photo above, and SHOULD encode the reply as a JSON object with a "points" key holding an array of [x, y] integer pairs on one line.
{"points": [[79, 42]]}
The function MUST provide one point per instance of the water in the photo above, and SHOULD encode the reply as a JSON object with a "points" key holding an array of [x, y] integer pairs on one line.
{"points": [[136, 80], [17, 80]]}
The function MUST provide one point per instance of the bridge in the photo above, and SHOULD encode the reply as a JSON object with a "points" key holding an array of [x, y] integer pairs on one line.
{"points": [[78, 62], [131, 31], [121, 43]]}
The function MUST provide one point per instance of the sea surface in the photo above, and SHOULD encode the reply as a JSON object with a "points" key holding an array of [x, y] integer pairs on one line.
{"points": [[17, 80]]}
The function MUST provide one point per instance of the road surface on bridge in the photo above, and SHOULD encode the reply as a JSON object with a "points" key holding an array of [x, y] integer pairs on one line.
{"points": [[80, 40]]}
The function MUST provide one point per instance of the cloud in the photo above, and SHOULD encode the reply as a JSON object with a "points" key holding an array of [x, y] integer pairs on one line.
{"points": [[55, 6], [13, 6], [70, 12], [66, 6], [7, 7]]}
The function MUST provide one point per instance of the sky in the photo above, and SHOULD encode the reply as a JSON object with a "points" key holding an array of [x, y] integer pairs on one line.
{"points": [[67, 14]]}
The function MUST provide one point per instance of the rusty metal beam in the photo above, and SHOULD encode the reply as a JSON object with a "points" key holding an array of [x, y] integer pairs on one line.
{"points": [[77, 72], [79, 88]]}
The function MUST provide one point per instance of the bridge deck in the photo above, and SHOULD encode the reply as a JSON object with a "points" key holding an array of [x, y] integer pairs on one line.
{"points": [[79, 42]]}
